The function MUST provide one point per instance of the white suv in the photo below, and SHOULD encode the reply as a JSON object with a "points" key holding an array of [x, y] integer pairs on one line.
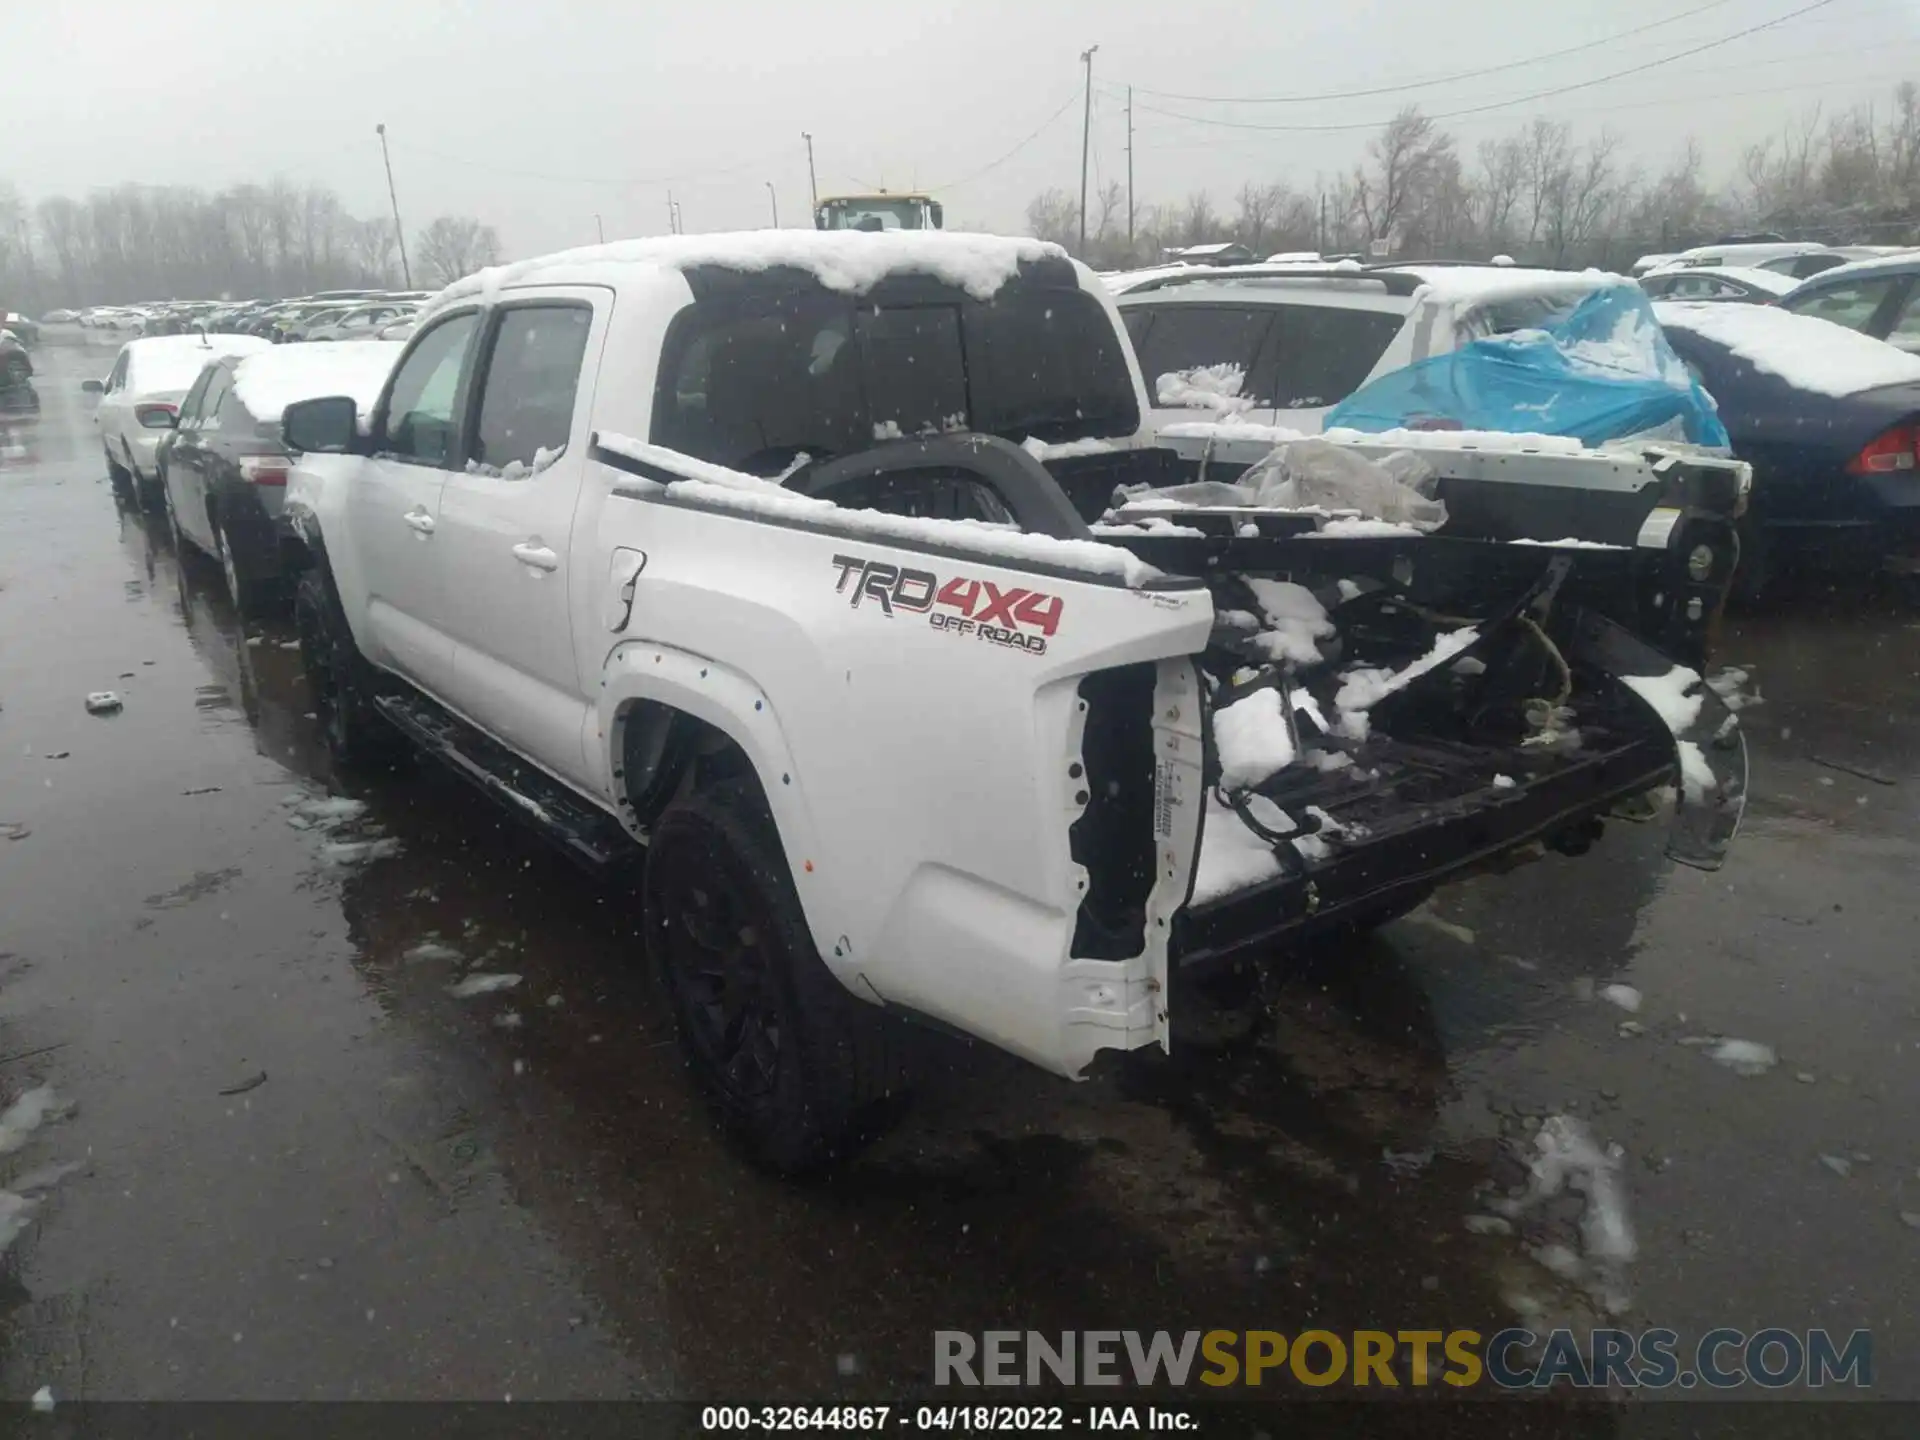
{"points": [[1280, 345]]}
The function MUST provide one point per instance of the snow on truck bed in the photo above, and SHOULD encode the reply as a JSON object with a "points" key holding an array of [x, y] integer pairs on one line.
{"points": [[850, 261], [271, 381], [750, 495], [1808, 353]]}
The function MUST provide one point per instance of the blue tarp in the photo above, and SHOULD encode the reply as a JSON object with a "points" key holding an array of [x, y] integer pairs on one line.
{"points": [[1602, 372]]}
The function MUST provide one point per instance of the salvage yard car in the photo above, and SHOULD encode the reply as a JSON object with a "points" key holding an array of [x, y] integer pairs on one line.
{"points": [[223, 469], [1283, 344], [788, 566], [140, 401], [1830, 421]]}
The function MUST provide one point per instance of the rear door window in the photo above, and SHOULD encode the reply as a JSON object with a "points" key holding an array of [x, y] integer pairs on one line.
{"points": [[1192, 351], [1322, 354], [190, 407], [533, 374], [915, 370]]}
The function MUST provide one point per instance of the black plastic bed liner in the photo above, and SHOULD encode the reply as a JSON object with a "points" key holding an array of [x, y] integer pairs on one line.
{"points": [[1404, 848]]}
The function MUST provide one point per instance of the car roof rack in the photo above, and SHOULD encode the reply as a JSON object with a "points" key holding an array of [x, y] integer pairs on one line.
{"points": [[1395, 282]]}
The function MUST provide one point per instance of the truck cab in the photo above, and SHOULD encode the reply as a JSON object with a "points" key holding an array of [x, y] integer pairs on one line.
{"points": [[880, 211]]}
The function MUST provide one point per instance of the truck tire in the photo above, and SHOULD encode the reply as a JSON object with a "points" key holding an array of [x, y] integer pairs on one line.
{"points": [[799, 1071], [249, 596], [339, 680]]}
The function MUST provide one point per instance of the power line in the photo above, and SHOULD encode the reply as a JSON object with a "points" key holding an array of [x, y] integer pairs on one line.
{"points": [[996, 164], [1853, 80], [1518, 99], [1440, 79]]}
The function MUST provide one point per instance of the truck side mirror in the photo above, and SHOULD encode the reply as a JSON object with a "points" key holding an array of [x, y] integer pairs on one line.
{"points": [[328, 426], [93, 387]]}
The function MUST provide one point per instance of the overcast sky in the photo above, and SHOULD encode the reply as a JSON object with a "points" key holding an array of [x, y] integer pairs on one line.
{"points": [[536, 116]]}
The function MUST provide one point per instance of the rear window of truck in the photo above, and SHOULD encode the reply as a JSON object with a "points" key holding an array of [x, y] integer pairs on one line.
{"points": [[753, 382]]}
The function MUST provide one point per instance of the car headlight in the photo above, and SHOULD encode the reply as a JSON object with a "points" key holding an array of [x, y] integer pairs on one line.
{"points": [[1700, 562]]}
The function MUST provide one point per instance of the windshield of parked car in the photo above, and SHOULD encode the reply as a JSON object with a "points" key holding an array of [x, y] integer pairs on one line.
{"points": [[753, 382]]}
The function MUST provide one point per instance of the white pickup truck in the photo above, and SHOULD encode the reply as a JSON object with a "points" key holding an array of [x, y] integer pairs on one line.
{"points": [[768, 559]]}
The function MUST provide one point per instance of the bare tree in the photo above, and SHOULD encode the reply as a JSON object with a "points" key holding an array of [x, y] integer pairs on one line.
{"points": [[456, 245], [1054, 215], [1403, 162], [1503, 170]]}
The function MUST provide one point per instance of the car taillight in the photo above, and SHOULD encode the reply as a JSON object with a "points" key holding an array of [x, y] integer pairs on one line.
{"points": [[156, 416], [1895, 449], [264, 469]]}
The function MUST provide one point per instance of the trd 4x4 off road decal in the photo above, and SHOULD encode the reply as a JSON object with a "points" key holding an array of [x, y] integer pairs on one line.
{"points": [[1012, 616]]}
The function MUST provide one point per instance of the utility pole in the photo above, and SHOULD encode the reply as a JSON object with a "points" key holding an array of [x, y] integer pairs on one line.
{"points": [[1323, 223], [400, 234], [773, 199], [1086, 140], [673, 215], [813, 183], [1129, 172], [600, 229]]}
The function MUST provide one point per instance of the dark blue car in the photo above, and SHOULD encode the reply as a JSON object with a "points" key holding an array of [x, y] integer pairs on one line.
{"points": [[1829, 419]]}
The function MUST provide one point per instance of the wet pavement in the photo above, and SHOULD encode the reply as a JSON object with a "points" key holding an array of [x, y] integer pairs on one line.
{"points": [[517, 1193]]}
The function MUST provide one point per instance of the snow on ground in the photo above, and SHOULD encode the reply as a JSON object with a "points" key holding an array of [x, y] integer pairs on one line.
{"points": [[1566, 1157], [354, 852], [750, 495], [26, 1115], [1252, 739], [1569, 543], [1625, 996], [848, 261], [1363, 688], [1744, 1057], [481, 984], [1671, 695], [270, 382], [1808, 353], [1205, 387]]}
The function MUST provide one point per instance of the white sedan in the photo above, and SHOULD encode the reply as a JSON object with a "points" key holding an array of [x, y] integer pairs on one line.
{"points": [[140, 401]]}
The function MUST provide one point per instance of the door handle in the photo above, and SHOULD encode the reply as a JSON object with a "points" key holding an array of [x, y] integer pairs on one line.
{"points": [[418, 519], [532, 552]]}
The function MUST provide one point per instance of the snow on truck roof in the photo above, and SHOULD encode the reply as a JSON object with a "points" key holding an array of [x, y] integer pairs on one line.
{"points": [[852, 261], [1808, 353]]}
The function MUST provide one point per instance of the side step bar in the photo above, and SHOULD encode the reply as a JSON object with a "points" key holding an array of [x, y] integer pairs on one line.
{"points": [[584, 834]]}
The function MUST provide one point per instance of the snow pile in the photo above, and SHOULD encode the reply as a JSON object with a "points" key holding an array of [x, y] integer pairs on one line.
{"points": [[1252, 739], [1294, 618], [1224, 430], [1671, 695], [1744, 1057], [1042, 451], [1567, 1158], [1569, 543], [27, 1114], [1366, 686], [1518, 442], [268, 383], [1232, 857], [721, 488], [481, 984], [852, 262], [1806, 352], [1205, 387], [1625, 996], [1481, 285]]}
